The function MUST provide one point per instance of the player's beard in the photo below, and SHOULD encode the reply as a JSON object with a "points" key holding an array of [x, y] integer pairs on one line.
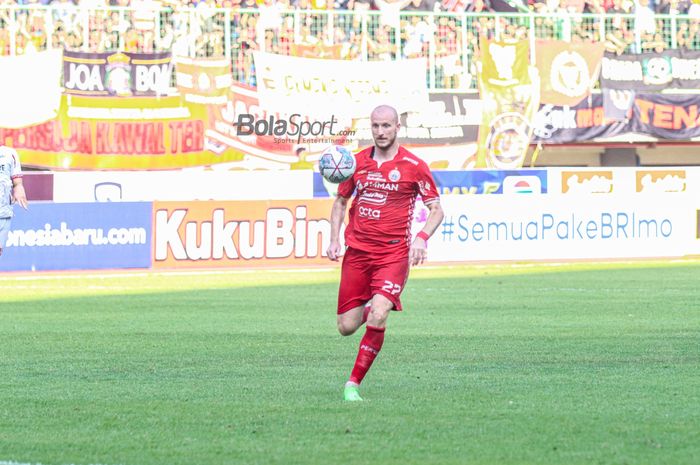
{"points": [[385, 143]]}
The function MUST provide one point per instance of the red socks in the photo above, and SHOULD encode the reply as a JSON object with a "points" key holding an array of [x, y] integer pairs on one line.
{"points": [[370, 345], [365, 313]]}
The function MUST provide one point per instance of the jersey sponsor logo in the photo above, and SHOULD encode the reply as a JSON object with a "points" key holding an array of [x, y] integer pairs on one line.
{"points": [[410, 160], [373, 197], [375, 176], [366, 212], [387, 186], [394, 175], [424, 187]]}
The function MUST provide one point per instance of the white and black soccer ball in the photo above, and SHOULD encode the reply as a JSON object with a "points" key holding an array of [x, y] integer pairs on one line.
{"points": [[336, 164]]}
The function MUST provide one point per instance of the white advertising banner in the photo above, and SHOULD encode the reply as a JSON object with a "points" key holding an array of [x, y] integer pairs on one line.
{"points": [[350, 89], [642, 180], [132, 186], [560, 227]]}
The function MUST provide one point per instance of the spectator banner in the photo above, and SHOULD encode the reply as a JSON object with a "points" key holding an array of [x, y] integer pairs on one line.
{"points": [[116, 74], [346, 89], [203, 80], [447, 118], [131, 133], [510, 99], [567, 70], [68, 236], [671, 117], [580, 123], [30, 88], [677, 68], [230, 234], [491, 182], [667, 116]]}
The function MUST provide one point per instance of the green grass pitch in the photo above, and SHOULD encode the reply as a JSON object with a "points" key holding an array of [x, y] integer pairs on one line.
{"points": [[539, 364]]}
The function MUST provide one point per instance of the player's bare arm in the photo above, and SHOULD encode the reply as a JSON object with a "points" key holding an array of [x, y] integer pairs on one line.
{"points": [[419, 248], [337, 216], [18, 193]]}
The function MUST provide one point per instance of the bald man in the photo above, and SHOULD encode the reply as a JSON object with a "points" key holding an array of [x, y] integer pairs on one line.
{"points": [[380, 250]]}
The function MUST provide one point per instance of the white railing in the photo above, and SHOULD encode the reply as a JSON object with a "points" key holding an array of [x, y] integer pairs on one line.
{"points": [[448, 41]]}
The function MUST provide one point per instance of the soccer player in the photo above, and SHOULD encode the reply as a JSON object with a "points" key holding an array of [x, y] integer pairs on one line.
{"points": [[386, 182], [11, 190]]}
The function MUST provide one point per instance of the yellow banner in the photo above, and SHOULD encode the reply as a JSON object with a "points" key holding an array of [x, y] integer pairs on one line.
{"points": [[509, 89]]}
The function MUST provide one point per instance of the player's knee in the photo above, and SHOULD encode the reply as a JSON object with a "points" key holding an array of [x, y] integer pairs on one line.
{"points": [[378, 316], [345, 328]]}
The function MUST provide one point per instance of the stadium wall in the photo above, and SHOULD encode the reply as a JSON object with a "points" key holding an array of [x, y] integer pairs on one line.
{"points": [[553, 214]]}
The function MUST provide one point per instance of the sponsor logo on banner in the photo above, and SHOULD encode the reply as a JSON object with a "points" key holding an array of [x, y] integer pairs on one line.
{"points": [[116, 74], [586, 182], [656, 181], [69, 236], [522, 185], [225, 234]]}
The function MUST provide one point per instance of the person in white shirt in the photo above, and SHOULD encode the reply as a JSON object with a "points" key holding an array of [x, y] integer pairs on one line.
{"points": [[11, 190]]}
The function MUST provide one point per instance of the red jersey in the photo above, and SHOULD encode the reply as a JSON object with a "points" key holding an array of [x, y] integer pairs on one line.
{"points": [[382, 211]]}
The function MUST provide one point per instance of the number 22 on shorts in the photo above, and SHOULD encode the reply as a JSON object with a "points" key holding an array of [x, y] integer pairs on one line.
{"points": [[391, 288]]}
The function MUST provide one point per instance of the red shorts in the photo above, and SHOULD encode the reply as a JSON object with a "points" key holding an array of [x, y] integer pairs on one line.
{"points": [[364, 275]]}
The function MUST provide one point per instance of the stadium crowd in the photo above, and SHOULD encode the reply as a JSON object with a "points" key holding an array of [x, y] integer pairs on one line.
{"points": [[344, 29]]}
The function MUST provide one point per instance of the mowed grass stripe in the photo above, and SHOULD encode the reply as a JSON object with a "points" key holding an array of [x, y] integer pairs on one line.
{"points": [[570, 364]]}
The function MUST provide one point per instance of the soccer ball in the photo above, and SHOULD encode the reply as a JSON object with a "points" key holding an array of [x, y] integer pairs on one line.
{"points": [[336, 164]]}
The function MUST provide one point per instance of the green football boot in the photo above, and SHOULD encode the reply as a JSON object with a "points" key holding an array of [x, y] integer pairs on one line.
{"points": [[352, 393]]}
